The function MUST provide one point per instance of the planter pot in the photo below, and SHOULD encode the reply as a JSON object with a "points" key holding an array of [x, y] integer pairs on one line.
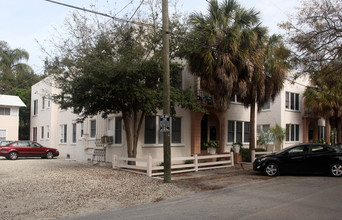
{"points": [[236, 148], [211, 150]]}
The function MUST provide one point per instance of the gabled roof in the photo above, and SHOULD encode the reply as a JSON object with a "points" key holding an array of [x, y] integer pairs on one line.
{"points": [[11, 100]]}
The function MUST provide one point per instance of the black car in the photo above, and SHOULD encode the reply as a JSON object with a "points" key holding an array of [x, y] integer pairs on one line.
{"points": [[302, 158]]}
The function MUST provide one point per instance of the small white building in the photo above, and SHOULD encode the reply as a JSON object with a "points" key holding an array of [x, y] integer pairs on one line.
{"points": [[9, 117]]}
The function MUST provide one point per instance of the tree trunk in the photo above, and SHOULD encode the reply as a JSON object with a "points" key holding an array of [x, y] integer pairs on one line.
{"points": [[252, 127], [132, 133], [327, 130], [223, 130]]}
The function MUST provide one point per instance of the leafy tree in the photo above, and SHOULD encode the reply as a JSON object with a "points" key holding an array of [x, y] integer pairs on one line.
{"points": [[314, 32], [16, 78], [115, 69]]}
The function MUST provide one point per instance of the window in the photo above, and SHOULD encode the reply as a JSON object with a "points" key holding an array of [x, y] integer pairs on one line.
{"points": [[63, 137], [42, 132], [92, 128], [5, 111], [82, 130], [35, 107], [14, 111], [74, 133], [48, 103], [150, 130], [3, 134], [263, 128], [114, 130], [292, 132], [154, 136], [43, 103], [267, 106], [321, 132], [238, 131], [47, 131], [292, 101], [299, 150], [118, 130], [34, 134]]}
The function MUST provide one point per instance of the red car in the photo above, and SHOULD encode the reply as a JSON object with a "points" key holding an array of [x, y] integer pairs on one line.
{"points": [[27, 149]]}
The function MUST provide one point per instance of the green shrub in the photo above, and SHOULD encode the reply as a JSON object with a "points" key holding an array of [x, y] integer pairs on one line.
{"points": [[246, 156]]}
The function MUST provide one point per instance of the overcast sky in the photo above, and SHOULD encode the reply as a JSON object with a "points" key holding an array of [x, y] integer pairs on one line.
{"points": [[24, 22]]}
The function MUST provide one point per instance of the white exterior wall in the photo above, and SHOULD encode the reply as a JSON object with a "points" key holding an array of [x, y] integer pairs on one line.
{"points": [[278, 114]]}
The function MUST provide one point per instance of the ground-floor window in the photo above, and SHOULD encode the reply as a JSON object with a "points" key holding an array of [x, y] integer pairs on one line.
{"points": [[2, 134], [74, 133], [63, 136], [92, 128], [292, 132], [114, 130], [154, 136], [42, 132], [34, 134], [321, 132], [238, 131]]}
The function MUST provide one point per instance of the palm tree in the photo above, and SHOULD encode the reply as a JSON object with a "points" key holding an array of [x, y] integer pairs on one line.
{"points": [[325, 99], [228, 33], [268, 75], [12, 71]]}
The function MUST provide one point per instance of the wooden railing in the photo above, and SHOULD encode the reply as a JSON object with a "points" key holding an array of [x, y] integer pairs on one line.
{"points": [[152, 167], [253, 154]]}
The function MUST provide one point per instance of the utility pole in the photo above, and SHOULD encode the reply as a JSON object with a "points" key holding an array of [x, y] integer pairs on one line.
{"points": [[166, 95]]}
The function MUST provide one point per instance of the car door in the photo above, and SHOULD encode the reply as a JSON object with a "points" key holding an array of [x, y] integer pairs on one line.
{"points": [[23, 148], [319, 158], [294, 160], [36, 149]]}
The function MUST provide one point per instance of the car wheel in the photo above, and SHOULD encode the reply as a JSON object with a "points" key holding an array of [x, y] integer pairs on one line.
{"points": [[272, 169], [336, 169], [49, 155], [13, 155]]}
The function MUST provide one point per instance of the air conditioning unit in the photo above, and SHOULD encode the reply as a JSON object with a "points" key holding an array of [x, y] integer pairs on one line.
{"points": [[110, 139], [107, 139]]}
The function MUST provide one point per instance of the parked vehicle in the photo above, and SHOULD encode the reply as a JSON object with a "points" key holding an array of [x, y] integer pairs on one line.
{"points": [[27, 149], [4, 143], [302, 158]]}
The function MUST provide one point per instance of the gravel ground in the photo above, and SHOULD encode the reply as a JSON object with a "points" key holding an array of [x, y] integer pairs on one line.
{"points": [[37, 189], [50, 189]]}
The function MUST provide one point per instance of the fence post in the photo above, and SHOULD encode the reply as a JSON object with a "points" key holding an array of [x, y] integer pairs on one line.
{"points": [[149, 165], [232, 157], [252, 156], [196, 162], [114, 161]]}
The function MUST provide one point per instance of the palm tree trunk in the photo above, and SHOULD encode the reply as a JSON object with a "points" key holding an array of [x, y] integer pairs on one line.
{"points": [[252, 127], [223, 130]]}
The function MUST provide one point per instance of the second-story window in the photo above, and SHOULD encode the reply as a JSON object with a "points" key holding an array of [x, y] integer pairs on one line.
{"points": [[292, 101], [35, 107], [92, 128]]}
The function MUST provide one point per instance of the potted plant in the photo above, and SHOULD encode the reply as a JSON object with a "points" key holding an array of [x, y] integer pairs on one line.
{"points": [[211, 146], [237, 146]]}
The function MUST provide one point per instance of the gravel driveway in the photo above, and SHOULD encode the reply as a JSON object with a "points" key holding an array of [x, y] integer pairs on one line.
{"points": [[57, 188]]}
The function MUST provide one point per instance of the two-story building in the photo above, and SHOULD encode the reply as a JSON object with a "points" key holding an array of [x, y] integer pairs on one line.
{"points": [[58, 128]]}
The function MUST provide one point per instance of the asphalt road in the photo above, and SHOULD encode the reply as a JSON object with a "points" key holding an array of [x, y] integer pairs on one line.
{"points": [[284, 197]]}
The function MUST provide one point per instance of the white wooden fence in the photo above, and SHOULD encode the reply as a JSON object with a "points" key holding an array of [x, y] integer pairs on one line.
{"points": [[259, 153], [152, 167]]}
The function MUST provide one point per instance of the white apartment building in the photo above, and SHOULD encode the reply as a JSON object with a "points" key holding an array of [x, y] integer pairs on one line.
{"points": [[58, 128], [9, 117]]}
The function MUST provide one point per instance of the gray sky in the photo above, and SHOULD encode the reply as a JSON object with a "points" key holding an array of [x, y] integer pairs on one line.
{"points": [[24, 22]]}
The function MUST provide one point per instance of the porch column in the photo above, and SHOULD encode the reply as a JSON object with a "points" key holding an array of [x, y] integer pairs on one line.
{"points": [[196, 118]]}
